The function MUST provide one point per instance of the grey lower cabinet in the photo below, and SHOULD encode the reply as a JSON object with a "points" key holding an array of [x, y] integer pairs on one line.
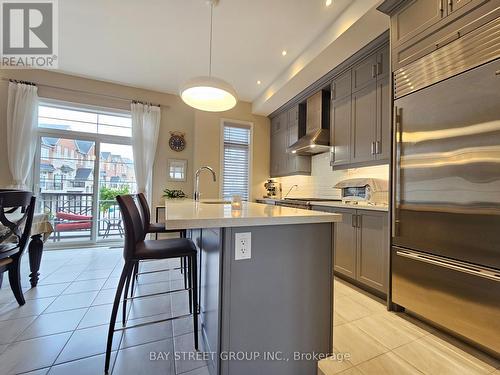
{"points": [[278, 301], [284, 133], [361, 246]]}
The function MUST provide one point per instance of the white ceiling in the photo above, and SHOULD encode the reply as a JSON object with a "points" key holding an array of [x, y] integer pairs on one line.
{"points": [[158, 44]]}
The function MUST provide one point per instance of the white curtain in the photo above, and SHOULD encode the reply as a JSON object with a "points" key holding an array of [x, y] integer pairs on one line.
{"points": [[145, 129], [22, 119]]}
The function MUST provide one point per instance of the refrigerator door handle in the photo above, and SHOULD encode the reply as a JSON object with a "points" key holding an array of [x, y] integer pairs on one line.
{"points": [[452, 265], [396, 156]]}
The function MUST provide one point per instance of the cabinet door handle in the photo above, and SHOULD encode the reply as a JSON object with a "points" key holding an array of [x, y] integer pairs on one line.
{"points": [[358, 221], [441, 6], [377, 147], [450, 6], [374, 70], [354, 221], [373, 148], [379, 68], [332, 156]]}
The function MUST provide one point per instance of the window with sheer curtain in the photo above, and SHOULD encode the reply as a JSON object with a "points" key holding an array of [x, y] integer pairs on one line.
{"points": [[236, 160]]}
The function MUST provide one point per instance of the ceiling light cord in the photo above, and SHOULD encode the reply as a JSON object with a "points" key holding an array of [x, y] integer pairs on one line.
{"points": [[211, 32]]}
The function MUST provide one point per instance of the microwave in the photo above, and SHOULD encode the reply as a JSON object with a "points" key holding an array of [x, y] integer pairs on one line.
{"points": [[363, 190]]}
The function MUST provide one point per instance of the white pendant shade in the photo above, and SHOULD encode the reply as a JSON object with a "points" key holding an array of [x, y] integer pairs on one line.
{"points": [[208, 94]]}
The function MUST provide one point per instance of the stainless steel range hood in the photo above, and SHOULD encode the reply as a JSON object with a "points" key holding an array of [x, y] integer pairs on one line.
{"points": [[315, 142], [317, 137]]}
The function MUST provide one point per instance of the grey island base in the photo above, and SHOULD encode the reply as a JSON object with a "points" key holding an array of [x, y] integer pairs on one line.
{"points": [[270, 313]]}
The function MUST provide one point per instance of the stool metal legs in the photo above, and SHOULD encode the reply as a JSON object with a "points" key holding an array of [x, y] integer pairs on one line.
{"points": [[127, 276], [127, 270]]}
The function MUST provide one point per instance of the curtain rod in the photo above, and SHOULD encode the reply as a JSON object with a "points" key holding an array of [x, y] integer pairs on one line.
{"points": [[87, 92]]}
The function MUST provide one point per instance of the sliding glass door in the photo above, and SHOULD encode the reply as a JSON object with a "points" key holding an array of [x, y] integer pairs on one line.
{"points": [[84, 161]]}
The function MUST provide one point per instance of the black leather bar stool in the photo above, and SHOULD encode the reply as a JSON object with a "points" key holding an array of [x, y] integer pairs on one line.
{"points": [[156, 228], [136, 249]]}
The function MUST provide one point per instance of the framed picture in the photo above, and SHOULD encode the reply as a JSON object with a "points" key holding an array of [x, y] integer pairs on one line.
{"points": [[177, 170]]}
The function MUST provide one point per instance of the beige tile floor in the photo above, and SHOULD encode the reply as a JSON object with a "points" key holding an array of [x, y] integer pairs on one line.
{"points": [[382, 342], [62, 328]]}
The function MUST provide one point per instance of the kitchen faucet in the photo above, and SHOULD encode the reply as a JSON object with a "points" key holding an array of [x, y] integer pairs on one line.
{"points": [[197, 181], [293, 186]]}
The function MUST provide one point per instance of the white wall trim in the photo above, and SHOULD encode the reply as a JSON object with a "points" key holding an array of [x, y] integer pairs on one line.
{"points": [[244, 124]]}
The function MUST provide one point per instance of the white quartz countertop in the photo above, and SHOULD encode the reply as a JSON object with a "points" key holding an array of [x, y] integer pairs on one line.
{"points": [[188, 214], [380, 207], [336, 204]]}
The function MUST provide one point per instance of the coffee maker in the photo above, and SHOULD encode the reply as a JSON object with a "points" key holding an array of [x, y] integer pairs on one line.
{"points": [[273, 189]]}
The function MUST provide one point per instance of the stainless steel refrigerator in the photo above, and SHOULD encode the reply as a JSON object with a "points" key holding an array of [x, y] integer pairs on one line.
{"points": [[445, 257]]}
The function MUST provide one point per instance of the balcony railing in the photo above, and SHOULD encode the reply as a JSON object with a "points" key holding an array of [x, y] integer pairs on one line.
{"points": [[72, 218]]}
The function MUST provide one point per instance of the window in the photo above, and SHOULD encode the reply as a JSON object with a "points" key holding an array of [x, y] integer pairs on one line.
{"points": [[85, 160], [236, 160]]}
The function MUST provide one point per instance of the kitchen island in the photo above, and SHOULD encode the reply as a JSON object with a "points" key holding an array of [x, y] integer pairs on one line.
{"points": [[266, 303]]}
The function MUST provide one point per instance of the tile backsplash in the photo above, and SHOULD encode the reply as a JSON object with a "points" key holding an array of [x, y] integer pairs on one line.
{"points": [[320, 183]]}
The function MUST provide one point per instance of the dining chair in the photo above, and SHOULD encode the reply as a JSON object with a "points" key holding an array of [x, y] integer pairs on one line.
{"points": [[137, 248], [16, 217]]}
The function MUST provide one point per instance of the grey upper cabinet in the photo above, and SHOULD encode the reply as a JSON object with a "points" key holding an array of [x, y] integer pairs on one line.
{"points": [[419, 27], [360, 112], [364, 73], [454, 5], [384, 106], [284, 133], [372, 249], [415, 17], [340, 131], [342, 86], [364, 124]]}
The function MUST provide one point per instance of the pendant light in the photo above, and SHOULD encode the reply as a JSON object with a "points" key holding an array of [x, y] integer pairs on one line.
{"points": [[209, 93]]}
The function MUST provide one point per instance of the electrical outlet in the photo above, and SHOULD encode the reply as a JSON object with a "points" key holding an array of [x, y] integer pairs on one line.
{"points": [[242, 246]]}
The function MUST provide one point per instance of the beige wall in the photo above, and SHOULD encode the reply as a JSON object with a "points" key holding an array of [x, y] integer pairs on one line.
{"points": [[207, 149], [202, 129]]}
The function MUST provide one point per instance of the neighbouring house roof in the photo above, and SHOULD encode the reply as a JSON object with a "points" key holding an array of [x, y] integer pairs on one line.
{"points": [[83, 174], [66, 168], [115, 179], [105, 155], [127, 160], [84, 146], [49, 141], [46, 167]]}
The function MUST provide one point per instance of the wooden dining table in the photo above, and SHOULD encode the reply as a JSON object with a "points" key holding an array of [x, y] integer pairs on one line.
{"points": [[41, 229]]}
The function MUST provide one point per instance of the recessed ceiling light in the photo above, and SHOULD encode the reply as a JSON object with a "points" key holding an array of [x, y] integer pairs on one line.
{"points": [[283, 52], [259, 82], [328, 2]]}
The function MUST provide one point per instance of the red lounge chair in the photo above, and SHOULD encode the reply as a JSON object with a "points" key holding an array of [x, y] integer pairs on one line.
{"points": [[67, 222]]}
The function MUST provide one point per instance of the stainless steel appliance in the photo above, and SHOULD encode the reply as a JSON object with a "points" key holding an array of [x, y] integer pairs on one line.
{"points": [[317, 135], [446, 199], [368, 191], [273, 189]]}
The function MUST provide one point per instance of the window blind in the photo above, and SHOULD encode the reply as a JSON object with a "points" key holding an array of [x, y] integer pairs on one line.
{"points": [[236, 166]]}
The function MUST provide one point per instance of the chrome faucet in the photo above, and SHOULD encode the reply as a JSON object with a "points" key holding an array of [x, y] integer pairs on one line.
{"points": [[197, 181], [293, 186]]}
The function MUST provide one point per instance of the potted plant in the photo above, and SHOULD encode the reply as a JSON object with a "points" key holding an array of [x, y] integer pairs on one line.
{"points": [[173, 194]]}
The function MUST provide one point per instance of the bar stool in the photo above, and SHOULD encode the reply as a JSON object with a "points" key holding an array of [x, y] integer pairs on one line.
{"points": [[136, 249], [156, 228]]}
